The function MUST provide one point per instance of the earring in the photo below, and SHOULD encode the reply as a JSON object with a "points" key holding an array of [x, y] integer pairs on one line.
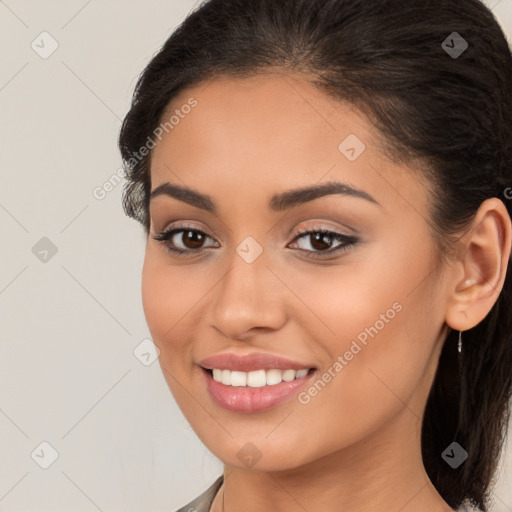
{"points": [[459, 344]]}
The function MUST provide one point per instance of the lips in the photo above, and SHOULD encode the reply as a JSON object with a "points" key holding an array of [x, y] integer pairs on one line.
{"points": [[256, 396], [253, 399], [251, 362]]}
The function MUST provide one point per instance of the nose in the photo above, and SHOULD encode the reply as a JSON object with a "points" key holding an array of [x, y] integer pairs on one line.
{"points": [[250, 298]]}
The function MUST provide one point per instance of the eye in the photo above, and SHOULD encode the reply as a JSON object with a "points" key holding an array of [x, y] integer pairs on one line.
{"points": [[321, 241], [191, 239]]}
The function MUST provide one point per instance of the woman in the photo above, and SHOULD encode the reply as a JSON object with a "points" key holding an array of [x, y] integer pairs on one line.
{"points": [[325, 191]]}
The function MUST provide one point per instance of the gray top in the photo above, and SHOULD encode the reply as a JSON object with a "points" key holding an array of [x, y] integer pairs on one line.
{"points": [[204, 501]]}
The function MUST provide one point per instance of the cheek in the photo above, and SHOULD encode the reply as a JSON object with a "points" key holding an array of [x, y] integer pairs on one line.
{"points": [[377, 317], [156, 298], [166, 300], [167, 297], [173, 297]]}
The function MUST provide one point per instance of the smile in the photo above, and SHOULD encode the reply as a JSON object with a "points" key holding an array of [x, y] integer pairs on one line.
{"points": [[254, 391], [257, 378]]}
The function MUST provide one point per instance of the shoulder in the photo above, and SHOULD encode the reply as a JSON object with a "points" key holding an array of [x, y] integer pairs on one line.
{"points": [[204, 501]]}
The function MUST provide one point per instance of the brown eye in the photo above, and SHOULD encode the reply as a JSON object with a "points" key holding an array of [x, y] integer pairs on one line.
{"points": [[321, 242], [192, 239], [183, 239]]}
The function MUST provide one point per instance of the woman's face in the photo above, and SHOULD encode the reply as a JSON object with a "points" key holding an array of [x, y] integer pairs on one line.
{"points": [[366, 310]]}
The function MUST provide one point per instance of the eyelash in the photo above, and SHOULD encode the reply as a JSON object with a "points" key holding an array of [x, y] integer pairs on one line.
{"points": [[348, 241]]}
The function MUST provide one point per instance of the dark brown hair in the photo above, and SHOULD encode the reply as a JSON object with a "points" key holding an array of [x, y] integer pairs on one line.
{"points": [[452, 113]]}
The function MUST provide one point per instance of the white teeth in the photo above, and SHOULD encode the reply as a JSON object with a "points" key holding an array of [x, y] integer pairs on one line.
{"points": [[274, 377], [238, 378], [257, 378], [288, 375]]}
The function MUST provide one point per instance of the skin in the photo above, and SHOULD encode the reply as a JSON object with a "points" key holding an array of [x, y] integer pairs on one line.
{"points": [[356, 445]]}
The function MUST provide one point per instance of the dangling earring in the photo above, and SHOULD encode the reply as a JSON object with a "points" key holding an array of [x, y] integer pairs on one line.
{"points": [[459, 344]]}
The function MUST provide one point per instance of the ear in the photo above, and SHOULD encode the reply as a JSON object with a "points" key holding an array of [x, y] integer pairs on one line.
{"points": [[480, 269]]}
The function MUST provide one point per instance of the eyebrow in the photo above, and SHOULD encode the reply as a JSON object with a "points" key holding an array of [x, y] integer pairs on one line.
{"points": [[278, 202]]}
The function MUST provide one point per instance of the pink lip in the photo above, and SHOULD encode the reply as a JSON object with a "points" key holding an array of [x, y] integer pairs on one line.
{"points": [[247, 399], [251, 362]]}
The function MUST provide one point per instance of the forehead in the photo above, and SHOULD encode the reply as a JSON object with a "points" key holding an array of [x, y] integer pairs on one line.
{"points": [[262, 116], [271, 130]]}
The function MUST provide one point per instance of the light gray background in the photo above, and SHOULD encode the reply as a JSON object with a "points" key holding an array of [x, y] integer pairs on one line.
{"points": [[70, 324]]}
